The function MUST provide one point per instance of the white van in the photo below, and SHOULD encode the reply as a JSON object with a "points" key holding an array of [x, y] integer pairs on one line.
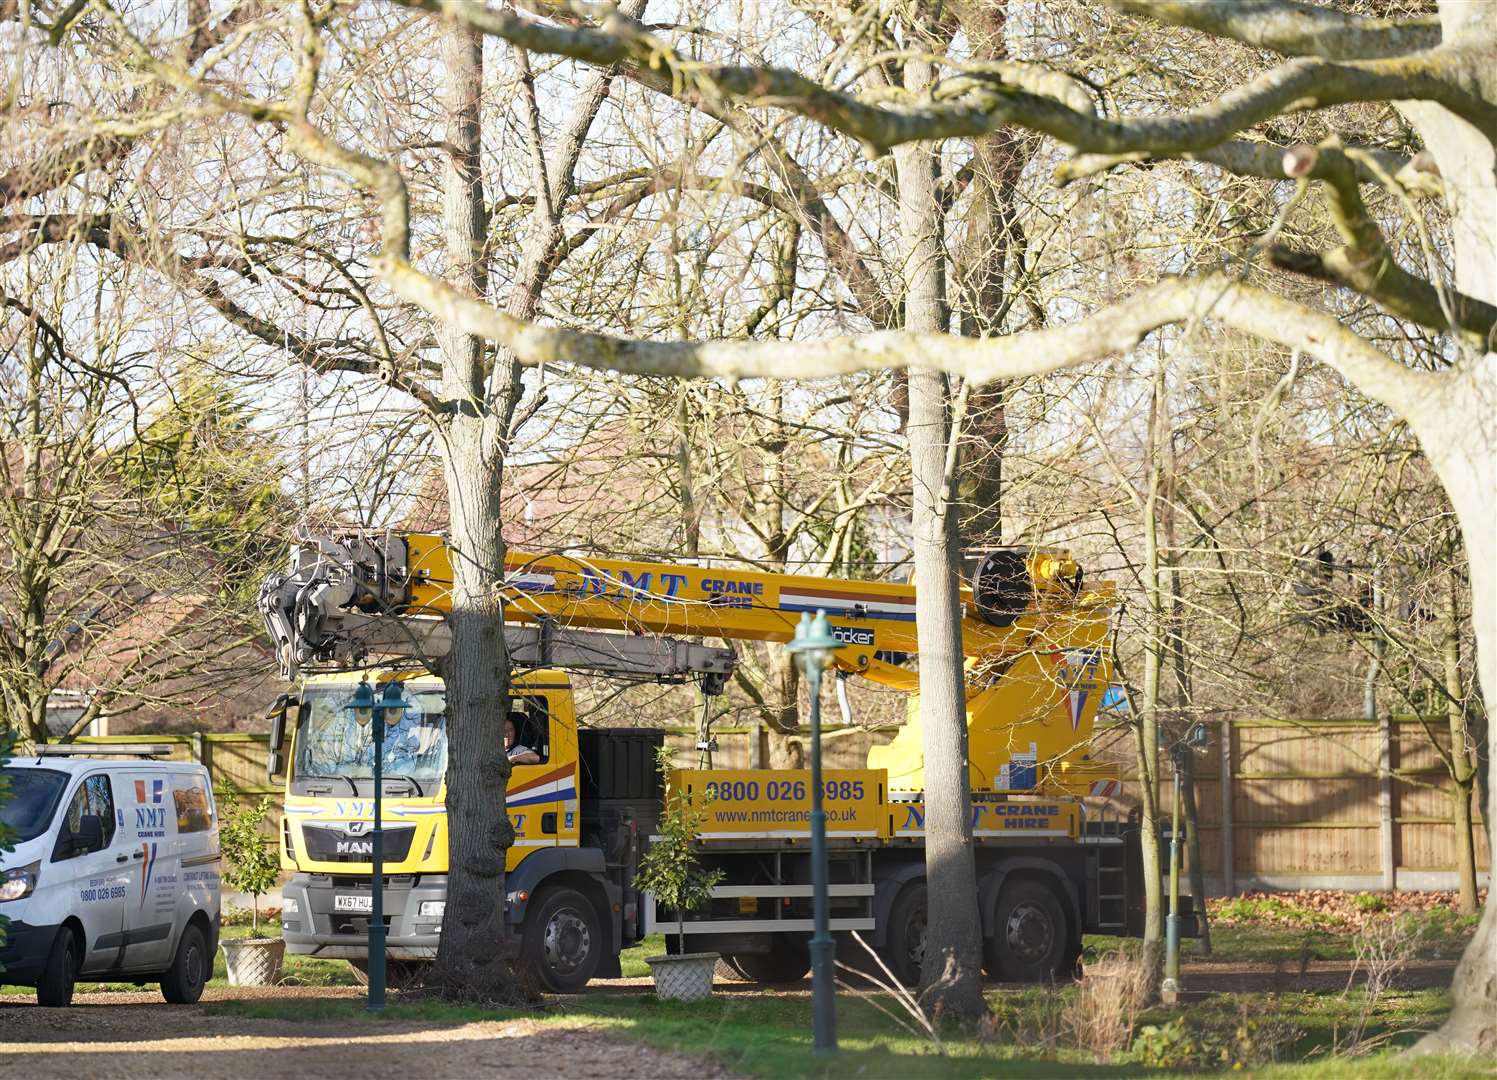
{"points": [[114, 875]]}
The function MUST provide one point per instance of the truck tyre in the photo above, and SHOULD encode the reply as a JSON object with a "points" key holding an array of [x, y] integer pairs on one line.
{"points": [[399, 974], [788, 960], [184, 981], [1031, 939], [561, 941], [905, 951], [56, 986]]}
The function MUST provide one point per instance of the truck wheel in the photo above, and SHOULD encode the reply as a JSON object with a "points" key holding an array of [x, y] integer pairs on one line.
{"points": [[399, 974], [184, 980], [788, 960], [1031, 936], [561, 941], [905, 951], [56, 986]]}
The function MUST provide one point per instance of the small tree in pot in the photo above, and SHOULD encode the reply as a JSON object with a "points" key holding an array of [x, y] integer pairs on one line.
{"points": [[252, 867], [673, 872]]}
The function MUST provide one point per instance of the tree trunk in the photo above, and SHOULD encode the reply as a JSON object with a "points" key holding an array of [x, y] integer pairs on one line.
{"points": [[1146, 746], [951, 979], [473, 957], [982, 286], [1457, 435], [1184, 707], [1462, 769], [1465, 456]]}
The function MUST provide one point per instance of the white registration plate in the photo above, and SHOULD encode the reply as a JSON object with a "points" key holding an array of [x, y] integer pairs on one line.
{"points": [[353, 903]]}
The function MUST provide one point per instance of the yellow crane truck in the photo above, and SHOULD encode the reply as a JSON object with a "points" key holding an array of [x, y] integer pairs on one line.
{"points": [[1054, 858]]}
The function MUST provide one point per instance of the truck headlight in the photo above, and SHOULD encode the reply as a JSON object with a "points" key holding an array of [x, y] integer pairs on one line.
{"points": [[289, 906], [431, 909], [19, 883]]}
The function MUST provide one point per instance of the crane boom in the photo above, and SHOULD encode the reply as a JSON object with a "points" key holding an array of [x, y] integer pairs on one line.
{"points": [[313, 612], [1035, 641]]}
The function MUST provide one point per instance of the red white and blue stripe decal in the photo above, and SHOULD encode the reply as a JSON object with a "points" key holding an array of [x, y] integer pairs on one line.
{"points": [[848, 604], [147, 866], [548, 787]]}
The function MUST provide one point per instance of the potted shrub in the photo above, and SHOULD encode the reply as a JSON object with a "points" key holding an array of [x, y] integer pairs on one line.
{"points": [[251, 867], [672, 871]]}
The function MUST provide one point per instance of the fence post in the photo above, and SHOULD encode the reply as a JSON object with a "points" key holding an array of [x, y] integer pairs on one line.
{"points": [[201, 754], [1387, 853], [1227, 834]]}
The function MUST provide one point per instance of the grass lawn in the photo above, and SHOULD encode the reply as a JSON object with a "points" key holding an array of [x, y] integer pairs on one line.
{"points": [[768, 1034]]}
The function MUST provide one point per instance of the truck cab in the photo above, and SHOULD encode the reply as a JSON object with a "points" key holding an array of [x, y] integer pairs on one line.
{"points": [[329, 808]]}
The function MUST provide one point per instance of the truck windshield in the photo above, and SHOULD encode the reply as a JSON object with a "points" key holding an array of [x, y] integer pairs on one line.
{"points": [[33, 797], [335, 741]]}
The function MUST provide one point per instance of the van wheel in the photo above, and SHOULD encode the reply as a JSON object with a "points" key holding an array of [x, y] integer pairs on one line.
{"points": [[56, 986], [788, 960], [561, 941], [1031, 935], [185, 979], [905, 952]]}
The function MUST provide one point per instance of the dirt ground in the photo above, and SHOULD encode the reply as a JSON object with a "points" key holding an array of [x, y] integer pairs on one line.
{"points": [[134, 1035], [107, 1035]]}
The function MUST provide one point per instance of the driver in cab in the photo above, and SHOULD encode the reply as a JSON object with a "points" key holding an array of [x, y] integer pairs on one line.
{"points": [[517, 752]]}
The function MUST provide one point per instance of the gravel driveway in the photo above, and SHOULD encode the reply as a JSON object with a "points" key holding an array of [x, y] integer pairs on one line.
{"points": [[136, 1035]]}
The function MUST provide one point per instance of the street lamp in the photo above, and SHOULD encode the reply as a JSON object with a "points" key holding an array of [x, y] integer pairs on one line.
{"points": [[812, 648], [364, 710], [1198, 738]]}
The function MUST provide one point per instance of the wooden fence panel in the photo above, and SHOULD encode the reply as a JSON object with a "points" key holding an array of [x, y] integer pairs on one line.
{"points": [[1304, 797]]}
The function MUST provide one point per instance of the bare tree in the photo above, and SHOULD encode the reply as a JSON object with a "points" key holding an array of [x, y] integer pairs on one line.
{"points": [[1439, 74]]}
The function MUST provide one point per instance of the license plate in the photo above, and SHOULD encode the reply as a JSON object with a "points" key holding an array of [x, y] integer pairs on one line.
{"points": [[353, 903]]}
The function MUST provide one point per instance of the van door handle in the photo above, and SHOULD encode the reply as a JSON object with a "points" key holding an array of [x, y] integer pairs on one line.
{"points": [[122, 858], [137, 854]]}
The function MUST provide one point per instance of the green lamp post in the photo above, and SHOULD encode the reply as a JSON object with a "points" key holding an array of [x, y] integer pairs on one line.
{"points": [[812, 648], [1198, 738], [362, 707]]}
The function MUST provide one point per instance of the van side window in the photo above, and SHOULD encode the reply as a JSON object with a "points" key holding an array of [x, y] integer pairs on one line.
{"points": [[532, 722], [194, 808], [88, 824]]}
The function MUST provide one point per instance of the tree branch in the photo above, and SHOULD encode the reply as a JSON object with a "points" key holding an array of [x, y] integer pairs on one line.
{"points": [[1243, 157], [1366, 264], [1108, 331], [1292, 28], [984, 102]]}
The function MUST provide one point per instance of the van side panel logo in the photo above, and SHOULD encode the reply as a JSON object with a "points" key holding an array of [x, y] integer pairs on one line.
{"points": [[150, 815]]}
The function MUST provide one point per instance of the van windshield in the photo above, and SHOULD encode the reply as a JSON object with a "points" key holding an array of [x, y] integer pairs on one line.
{"points": [[33, 797], [336, 741]]}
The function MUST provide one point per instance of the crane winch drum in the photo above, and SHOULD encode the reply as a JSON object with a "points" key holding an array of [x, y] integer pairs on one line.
{"points": [[1008, 581]]}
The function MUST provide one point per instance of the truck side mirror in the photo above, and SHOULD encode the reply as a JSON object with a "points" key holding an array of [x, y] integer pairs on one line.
{"points": [[274, 762]]}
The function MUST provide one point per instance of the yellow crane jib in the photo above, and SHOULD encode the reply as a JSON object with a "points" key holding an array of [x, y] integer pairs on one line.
{"points": [[1035, 637]]}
